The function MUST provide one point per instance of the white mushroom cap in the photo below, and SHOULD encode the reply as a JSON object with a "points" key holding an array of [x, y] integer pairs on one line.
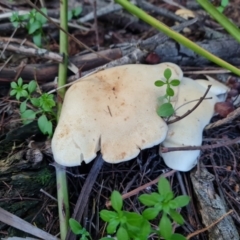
{"points": [[188, 131], [113, 110]]}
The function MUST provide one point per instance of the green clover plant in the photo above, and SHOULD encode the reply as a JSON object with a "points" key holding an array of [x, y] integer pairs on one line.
{"points": [[32, 107], [33, 22], [166, 109]]}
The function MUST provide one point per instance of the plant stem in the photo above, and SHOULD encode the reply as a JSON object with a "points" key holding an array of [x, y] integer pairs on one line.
{"points": [[61, 178], [176, 36], [221, 18]]}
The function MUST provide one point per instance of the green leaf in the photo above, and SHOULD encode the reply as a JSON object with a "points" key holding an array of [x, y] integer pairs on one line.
{"points": [[25, 17], [13, 92], [18, 95], [167, 73], [165, 110], [14, 85], [15, 24], [182, 201], [224, 3], [14, 16], [37, 39], [116, 200], [24, 86], [23, 106], [75, 226], [28, 116], [172, 204], [165, 207], [169, 196], [149, 199], [122, 234], [177, 236], [133, 218], [46, 102], [106, 215], [112, 226], [24, 93], [41, 18], [45, 125], [150, 213], [170, 91], [32, 86], [164, 186], [175, 82], [159, 206], [159, 83], [220, 9], [145, 230], [177, 217], [77, 11], [20, 81], [34, 27], [35, 102], [165, 227]]}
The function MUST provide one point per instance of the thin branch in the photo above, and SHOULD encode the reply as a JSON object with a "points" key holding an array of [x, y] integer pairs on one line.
{"points": [[210, 226], [205, 147], [143, 187]]}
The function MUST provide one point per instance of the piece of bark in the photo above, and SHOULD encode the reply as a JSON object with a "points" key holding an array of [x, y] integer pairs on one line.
{"points": [[212, 207], [226, 48]]}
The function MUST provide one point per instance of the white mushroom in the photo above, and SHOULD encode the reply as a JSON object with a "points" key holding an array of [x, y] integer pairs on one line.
{"points": [[188, 131], [113, 110]]}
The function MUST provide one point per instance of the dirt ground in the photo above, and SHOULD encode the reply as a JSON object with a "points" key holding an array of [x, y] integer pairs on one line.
{"points": [[27, 171]]}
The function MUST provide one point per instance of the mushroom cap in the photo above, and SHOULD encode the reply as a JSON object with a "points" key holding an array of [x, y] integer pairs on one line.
{"points": [[188, 131], [113, 110]]}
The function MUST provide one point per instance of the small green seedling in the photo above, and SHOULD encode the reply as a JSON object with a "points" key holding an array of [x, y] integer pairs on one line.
{"points": [[18, 20], [166, 109], [126, 225], [77, 229], [164, 202], [129, 225], [74, 13], [223, 5], [33, 22], [32, 107]]}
